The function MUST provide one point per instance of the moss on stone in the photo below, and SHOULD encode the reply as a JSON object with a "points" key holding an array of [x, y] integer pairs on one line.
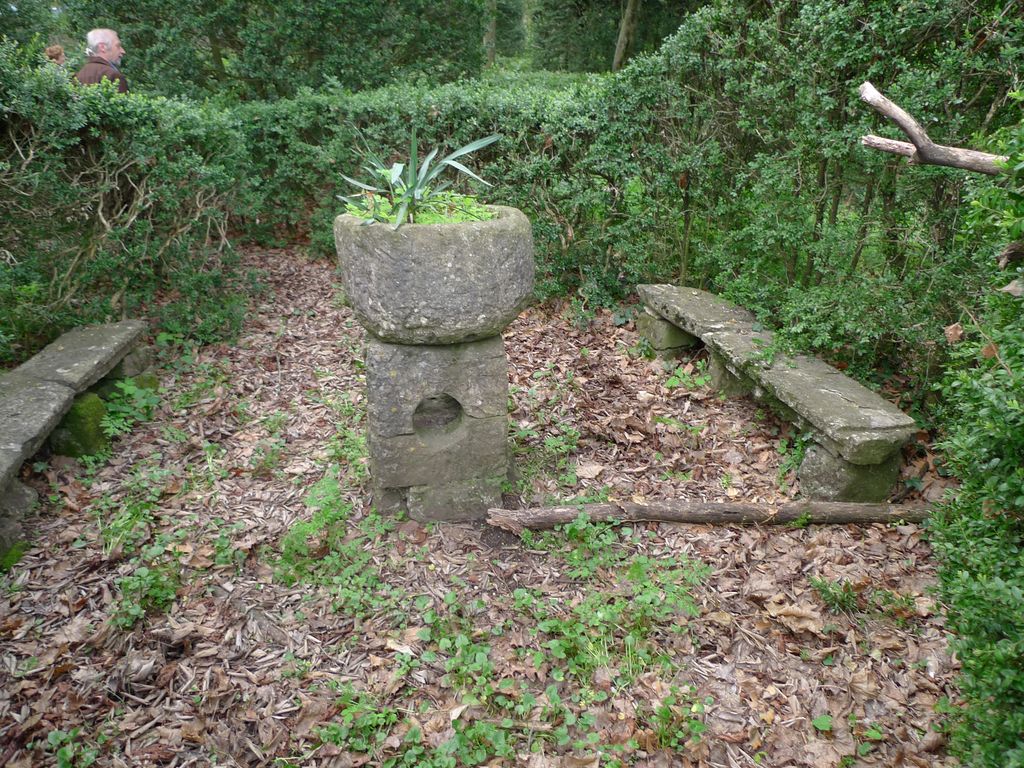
{"points": [[13, 553], [81, 431], [147, 380]]}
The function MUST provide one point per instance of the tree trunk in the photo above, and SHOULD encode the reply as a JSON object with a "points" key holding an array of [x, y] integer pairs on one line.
{"points": [[714, 513], [891, 235], [217, 58], [819, 218], [627, 30], [684, 259], [862, 228], [491, 33], [837, 194]]}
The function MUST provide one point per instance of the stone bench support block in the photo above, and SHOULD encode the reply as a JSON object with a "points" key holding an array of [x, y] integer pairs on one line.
{"points": [[36, 396], [826, 476], [857, 433], [437, 427], [666, 339], [16, 501], [725, 380]]}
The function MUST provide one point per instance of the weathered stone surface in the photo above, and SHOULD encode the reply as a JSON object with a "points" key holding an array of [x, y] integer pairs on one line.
{"points": [[742, 349], [399, 377], [16, 501], [826, 476], [856, 423], [83, 356], [437, 283], [29, 410], [462, 501], [474, 447], [437, 424], [663, 335], [864, 427], [80, 433], [137, 361], [695, 311], [390, 501]]}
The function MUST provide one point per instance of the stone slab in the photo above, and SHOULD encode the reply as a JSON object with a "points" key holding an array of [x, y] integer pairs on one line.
{"points": [[864, 427], [741, 350], [29, 409], [400, 376], [695, 311], [860, 425], [83, 356]]}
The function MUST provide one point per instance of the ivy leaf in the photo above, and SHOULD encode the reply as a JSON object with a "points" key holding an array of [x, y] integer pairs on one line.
{"points": [[822, 723]]}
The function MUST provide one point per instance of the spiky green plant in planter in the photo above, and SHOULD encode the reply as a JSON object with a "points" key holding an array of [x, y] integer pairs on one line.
{"points": [[406, 193]]}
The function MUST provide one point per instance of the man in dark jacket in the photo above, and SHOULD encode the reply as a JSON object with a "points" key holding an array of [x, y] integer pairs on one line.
{"points": [[104, 50]]}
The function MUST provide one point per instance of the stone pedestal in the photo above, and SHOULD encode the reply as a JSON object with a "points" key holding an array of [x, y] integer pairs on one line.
{"points": [[434, 298], [437, 424]]}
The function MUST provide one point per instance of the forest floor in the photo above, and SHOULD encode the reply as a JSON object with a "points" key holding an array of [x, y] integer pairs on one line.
{"points": [[218, 591]]}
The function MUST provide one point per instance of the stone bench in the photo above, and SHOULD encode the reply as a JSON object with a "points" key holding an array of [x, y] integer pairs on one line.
{"points": [[856, 434], [37, 395]]}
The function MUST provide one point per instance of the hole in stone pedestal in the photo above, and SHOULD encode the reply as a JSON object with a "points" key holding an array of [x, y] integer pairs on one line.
{"points": [[437, 415]]}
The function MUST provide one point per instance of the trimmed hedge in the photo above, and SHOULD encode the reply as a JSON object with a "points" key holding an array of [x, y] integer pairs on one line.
{"points": [[979, 531], [109, 202]]}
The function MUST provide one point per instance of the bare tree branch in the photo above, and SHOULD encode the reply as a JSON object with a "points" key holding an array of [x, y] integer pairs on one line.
{"points": [[922, 150], [715, 513]]}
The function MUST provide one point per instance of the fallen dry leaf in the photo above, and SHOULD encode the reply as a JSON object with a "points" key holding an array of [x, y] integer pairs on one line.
{"points": [[798, 618]]}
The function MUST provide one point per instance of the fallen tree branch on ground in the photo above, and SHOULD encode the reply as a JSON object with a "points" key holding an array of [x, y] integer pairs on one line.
{"points": [[922, 150], [714, 513]]}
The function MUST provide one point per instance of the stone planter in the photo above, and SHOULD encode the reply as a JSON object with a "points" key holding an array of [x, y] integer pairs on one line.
{"points": [[436, 283], [434, 299]]}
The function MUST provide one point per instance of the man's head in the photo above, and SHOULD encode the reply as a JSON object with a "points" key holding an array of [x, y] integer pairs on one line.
{"points": [[106, 44]]}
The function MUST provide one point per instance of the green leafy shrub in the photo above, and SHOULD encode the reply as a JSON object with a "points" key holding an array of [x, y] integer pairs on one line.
{"points": [[258, 49], [979, 530], [151, 586], [726, 160], [581, 36], [111, 205]]}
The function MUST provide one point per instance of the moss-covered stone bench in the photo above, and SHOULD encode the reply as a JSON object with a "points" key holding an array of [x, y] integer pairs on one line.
{"points": [[856, 434], [45, 397]]}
